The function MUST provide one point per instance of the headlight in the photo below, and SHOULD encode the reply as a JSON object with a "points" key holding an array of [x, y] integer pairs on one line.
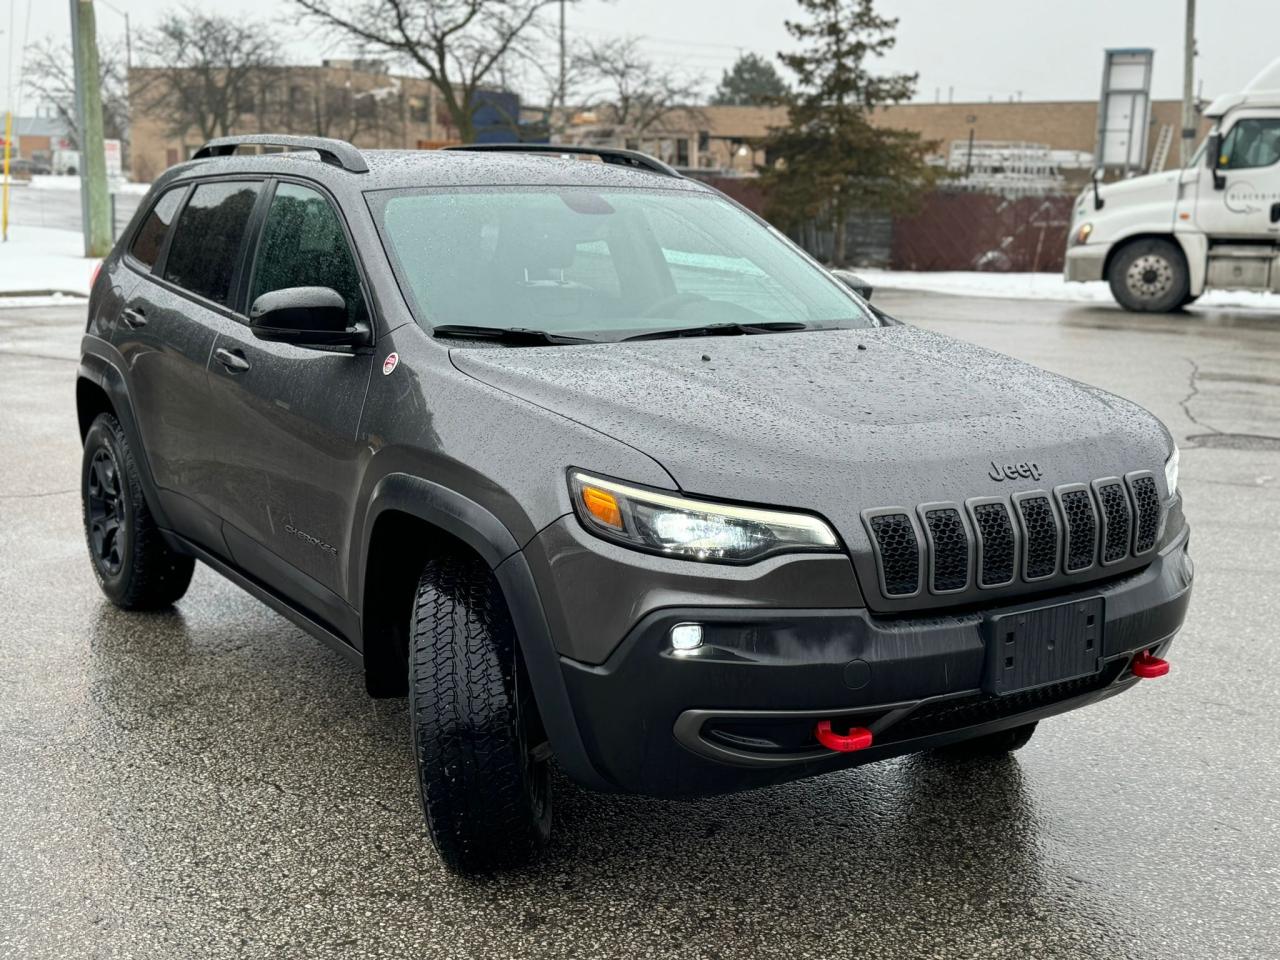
{"points": [[692, 529], [1171, 471], [1082, 234]]}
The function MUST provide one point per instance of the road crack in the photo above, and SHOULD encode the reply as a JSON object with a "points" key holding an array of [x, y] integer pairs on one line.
{"points": [[1193, 391]]}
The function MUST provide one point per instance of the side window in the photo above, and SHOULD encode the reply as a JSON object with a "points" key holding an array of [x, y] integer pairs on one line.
{"points": [[1252, 142], [303, 245], [206, 242], [150, 237]]}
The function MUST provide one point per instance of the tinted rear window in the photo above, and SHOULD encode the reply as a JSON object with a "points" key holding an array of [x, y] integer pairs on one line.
{"points": [[150, 238], [206, 242]]}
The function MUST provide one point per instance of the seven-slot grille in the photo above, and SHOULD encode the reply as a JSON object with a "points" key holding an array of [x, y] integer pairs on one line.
{"points": [[993, 541]]}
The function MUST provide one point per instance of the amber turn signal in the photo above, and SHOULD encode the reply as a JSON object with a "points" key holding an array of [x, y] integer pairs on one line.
{"points": [[603, 506]]}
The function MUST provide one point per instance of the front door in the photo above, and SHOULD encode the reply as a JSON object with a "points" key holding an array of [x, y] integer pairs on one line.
{"points": [[1248, 171], [289, 415]]}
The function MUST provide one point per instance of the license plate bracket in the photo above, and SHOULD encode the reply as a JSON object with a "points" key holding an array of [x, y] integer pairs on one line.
{"points": [[1032, 648]]}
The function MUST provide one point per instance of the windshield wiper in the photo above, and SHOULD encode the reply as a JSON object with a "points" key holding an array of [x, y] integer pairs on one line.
{"points": [[722, 330], [462, 331]]}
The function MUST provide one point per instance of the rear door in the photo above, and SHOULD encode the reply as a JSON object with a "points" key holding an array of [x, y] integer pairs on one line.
{"points": [[289, 415], [188, 251]]}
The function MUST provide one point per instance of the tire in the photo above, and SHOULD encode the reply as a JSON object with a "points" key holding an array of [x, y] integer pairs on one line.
{"points": [[1150, 276], [483, 765], [992, 745], [135, 568]]}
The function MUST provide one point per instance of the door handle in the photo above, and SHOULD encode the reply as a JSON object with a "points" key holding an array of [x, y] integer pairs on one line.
{"points": [[134, 317], [233, 360]]}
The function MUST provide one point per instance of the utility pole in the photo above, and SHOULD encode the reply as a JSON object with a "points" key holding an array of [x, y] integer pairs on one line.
{"points": [[95, 203], [564, 111], [1189, 124]]}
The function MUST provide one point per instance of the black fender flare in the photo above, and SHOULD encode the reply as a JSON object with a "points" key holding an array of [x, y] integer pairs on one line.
{"points": [[100, 364], [480, 529]]}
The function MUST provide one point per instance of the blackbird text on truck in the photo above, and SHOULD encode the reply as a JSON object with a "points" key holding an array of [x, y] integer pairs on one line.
{"points": [[600, 469]]}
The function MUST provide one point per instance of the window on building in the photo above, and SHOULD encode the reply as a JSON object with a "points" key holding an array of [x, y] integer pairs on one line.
{"points": [[419, 110], [1252, 142], [303, 245], [150, 237], [206, 242]]}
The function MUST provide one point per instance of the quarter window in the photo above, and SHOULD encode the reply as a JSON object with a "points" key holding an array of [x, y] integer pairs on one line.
{"points": [[1252, 142], [150, 238], [206, 242], [303, 245]]}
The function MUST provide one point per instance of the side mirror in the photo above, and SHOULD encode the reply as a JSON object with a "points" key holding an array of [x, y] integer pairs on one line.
{"points": [[307, 317], [854, 283], [1212, 155]]}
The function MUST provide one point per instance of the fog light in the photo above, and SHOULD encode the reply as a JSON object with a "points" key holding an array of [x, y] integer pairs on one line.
{"points": [[686, 637]]}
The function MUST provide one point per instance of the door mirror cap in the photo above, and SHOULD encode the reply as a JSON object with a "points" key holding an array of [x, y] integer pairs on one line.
{"points": [[854, 283], [307, 317], [1213, 158]]}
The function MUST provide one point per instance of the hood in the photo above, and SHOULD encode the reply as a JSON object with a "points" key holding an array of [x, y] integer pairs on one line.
{"points": [[834, 422], [1149, 188]]}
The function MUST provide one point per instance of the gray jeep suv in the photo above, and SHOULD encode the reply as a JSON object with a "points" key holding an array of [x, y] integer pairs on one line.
{"points": [[597, 466]]}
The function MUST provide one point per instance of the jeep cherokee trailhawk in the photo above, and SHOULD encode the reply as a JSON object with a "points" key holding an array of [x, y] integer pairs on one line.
{"points": [[597, 466]]}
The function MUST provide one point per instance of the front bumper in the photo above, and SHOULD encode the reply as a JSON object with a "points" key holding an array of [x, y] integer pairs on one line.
{"points": [[1085, 262], [740, 711]]}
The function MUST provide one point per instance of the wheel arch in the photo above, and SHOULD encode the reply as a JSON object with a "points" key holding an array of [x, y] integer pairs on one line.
{"points": [[102, 388], [409, 517]]}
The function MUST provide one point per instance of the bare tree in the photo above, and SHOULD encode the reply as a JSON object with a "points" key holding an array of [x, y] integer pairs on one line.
{"points": [[50, 77], [205, 70], [633, 92], [339, 110], [459, 45]]}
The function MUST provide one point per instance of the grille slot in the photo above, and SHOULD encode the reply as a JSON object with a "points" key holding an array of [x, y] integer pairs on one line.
{"points": [[1082, 529], [899, 553], [949, 545], [1039, 536], [1146, 512], [996, 544], [1116, 520]]}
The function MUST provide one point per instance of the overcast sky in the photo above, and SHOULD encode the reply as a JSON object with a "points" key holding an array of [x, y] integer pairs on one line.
{"points": [[1043, 49]]}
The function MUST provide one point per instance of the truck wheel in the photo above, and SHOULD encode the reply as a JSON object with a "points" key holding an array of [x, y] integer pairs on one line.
{"points": [[483, 763], [993, 744], [135, 568], [1149, 276]]}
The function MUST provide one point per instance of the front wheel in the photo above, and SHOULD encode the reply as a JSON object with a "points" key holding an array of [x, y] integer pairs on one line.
{"points": [[1150, 276], [483, 762]]}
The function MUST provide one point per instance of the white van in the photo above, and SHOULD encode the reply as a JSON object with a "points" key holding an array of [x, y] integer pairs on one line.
{"points": [[1162, 239]]}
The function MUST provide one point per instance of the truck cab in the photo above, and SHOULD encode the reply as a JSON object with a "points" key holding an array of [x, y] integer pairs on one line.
{"points": [[1163, 239]]}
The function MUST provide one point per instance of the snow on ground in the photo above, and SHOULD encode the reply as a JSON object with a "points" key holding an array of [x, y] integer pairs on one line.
{"points": [[43, 260], [49, 182], [1039, 286]]}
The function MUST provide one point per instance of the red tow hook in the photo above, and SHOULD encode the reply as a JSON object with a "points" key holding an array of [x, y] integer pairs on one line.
{"points": [[1148, 667], [858, 738]]}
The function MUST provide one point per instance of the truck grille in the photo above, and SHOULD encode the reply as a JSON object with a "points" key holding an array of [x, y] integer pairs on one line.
{"points": [[1031, 536]]}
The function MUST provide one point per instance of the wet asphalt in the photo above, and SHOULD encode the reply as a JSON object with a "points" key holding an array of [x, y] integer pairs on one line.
{"points": [[210, 782]]}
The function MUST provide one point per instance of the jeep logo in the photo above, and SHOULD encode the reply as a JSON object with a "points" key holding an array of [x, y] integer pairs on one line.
{"points": [[1027, 470]]}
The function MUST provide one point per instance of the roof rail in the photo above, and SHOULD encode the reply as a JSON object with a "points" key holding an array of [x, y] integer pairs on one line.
{"points": [[614, 155], [339, 153]]}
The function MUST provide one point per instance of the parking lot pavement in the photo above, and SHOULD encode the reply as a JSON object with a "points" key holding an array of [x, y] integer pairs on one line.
{"points": [[210, 782]]}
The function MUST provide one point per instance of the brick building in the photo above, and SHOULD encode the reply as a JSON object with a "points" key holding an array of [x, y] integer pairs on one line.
{"points": [[355, 100]]}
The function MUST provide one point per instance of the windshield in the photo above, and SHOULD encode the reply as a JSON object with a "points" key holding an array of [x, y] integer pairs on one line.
{"points": [[601, 264]]}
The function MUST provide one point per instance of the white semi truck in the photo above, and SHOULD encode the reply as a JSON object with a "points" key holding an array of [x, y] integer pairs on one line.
{"points": [[1163, 239]]}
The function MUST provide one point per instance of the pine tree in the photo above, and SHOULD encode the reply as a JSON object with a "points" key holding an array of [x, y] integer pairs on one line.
{"points": [[752, 81], [829, 159]]}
